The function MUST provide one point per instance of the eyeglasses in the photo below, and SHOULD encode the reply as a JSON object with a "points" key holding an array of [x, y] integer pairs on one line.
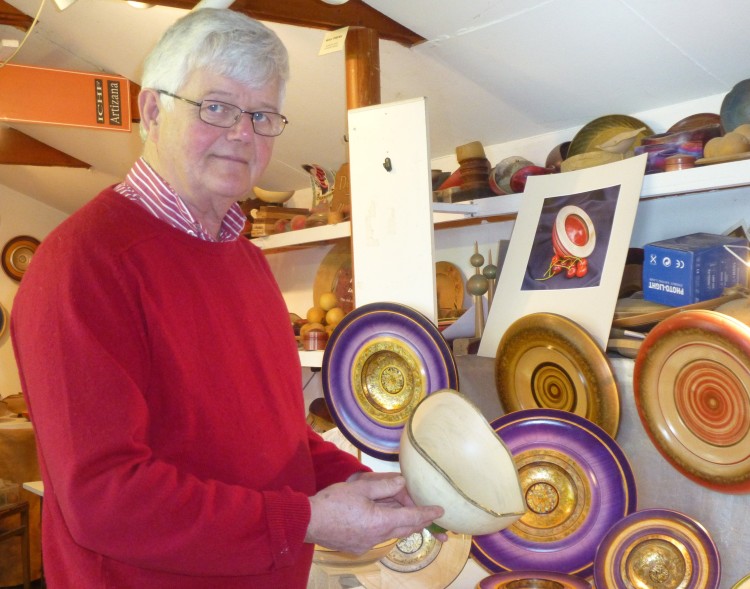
{"points": [[223, 114]]}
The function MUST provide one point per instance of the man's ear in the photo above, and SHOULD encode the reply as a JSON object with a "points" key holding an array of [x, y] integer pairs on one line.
{"points": [[150, 107]]}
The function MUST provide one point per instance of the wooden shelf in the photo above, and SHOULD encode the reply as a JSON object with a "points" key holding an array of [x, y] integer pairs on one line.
{"points": [[505, 207], [304, 237], [710, 178], [698, 179], [666, 184]]}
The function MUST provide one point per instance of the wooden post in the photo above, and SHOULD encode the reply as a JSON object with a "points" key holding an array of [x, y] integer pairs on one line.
{"points": [[362, 51], [362, 67]]}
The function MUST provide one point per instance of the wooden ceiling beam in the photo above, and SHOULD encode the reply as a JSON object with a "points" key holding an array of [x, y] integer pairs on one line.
{"points": [[19, 149], [317, 14], [314, 14], [135, 112], [12, 17]]}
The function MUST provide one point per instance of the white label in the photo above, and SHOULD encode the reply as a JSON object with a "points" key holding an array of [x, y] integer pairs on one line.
{"points": [[334, 41]]}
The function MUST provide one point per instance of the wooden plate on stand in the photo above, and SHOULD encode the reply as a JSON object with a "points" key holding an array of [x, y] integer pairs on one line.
{"points": [[692, 389], [335, 274], [449, 284], [17, 255]]}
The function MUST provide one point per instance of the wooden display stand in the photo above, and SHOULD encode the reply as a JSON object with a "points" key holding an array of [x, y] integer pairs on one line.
{"points": [[18, 463]]}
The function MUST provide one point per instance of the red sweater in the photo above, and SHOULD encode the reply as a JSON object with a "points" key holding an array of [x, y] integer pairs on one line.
{"points": [[164, 385]]}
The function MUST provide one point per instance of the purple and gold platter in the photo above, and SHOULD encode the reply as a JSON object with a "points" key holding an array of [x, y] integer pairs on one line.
{"points": [[536, 579], [577, 483], [657, 548], [380, 361]]}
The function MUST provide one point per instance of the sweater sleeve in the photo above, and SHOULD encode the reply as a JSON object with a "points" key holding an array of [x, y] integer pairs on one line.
{"points": [[332, 465]]}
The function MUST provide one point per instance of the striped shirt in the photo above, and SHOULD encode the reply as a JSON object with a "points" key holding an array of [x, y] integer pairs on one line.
{"points": [[144, 186]]}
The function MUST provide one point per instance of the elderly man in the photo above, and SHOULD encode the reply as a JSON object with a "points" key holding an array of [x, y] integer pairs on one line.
{"points": [[155, 354]]}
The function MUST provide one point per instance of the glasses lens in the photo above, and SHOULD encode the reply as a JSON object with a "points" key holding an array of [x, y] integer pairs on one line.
{"points": [[268, 123], [219, 114], [222, 114]]}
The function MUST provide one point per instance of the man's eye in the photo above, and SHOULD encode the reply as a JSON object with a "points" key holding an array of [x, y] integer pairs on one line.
{"points": [[217, 108], [260, 117]]}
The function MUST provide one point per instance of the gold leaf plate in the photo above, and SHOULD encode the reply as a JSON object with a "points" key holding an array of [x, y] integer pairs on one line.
{"points": [[548, 361], [537, 579], [380, 361]]}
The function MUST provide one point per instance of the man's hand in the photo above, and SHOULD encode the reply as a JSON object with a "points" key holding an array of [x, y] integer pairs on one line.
{"points": [[368, 509]]}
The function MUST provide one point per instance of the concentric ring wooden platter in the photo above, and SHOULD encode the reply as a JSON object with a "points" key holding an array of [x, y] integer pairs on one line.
{"points": [[546, 360], [692, 390]]}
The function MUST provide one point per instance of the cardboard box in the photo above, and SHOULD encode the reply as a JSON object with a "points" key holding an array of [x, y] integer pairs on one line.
{"points": [[693, 268]]}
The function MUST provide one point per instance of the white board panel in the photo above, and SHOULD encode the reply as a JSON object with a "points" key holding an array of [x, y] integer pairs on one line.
{"points": [[392, 233]]}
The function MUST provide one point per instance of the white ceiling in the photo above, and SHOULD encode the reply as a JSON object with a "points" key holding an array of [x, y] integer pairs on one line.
{"points": [[492, 70]]}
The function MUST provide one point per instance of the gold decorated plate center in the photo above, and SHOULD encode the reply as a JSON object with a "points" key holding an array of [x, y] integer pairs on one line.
{"points": [[659, 562], [388, 381], [557, 496], [412, 553]]}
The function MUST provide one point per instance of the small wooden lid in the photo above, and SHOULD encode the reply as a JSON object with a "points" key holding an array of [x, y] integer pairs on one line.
{"points": [[315, 339], [475, 149], [679, 162]]}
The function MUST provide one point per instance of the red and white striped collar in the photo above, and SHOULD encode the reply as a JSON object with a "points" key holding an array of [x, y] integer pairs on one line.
{"points": [[144, 186]]}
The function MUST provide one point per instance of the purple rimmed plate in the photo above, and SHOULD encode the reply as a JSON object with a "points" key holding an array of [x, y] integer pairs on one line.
{"points": [[657, 547], [577, 483], [380, 361], [532, 580]]}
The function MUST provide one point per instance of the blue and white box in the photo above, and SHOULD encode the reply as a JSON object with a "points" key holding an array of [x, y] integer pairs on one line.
{"points": [[693, 268]]}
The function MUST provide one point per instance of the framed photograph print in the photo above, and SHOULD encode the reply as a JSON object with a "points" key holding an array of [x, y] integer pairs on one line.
{"points": [[568, 249]]}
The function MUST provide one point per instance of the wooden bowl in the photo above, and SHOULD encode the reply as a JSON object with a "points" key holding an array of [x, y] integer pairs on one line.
{"points": [[271, 196], [16, 403], [450, 456]]}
